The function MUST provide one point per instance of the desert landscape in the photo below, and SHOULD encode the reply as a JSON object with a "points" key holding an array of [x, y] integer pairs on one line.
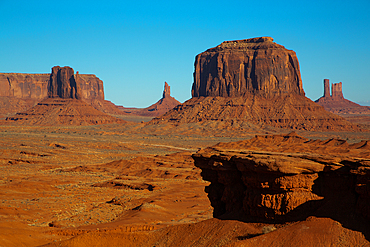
{"points": [[248, 160]]}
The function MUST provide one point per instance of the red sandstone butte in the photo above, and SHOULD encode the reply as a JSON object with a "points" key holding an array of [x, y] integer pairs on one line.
{"points": [[257, 65], [35, 86]]}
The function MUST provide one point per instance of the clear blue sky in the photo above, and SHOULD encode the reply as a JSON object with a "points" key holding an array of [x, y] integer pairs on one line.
{"points": [[135, 46]]}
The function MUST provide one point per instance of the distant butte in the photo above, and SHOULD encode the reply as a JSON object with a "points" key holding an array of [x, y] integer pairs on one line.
{"points": [[251, 82], [166, 103], [336, 103], [64, 104], [21, 91]]}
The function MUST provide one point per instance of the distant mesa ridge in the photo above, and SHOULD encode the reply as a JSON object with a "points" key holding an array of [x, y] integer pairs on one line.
{"points": [[35, 86], [65, 103]]}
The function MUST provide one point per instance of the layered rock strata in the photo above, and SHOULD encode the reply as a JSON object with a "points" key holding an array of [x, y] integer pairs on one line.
{"points": [[288, 177], [21, 91], [64, 105], [240, 67], [63, 84], [58, 111], [35, 86], [234, 113]]}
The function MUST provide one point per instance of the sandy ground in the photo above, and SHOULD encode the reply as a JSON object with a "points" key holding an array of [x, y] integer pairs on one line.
{"points": [[58, 182]]}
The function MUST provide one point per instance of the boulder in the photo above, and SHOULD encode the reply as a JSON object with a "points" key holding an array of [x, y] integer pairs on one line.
{"points": [[236, 68]]}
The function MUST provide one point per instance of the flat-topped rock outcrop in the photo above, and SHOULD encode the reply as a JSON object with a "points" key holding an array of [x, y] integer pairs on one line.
{"points": [[63, 84], [65, 103], [288, 177], [236, 68], [35, 86], [21, 91]]}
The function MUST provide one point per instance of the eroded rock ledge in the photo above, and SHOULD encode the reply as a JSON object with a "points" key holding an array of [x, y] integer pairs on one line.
{"points": [[288, 177]]}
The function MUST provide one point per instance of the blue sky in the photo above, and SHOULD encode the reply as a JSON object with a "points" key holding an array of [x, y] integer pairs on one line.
{"points": [[135, 46]]}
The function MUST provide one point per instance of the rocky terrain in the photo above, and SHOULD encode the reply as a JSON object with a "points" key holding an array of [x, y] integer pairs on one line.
{"points": [[35, 86], [288, 178], [117, 183]]}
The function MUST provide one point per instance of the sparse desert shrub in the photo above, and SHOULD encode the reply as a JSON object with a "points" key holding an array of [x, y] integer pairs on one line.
{"points": [[267, 229]]}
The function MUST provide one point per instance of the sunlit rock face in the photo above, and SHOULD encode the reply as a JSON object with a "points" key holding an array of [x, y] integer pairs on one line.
{"points": [[237, 68], [36, 86]]}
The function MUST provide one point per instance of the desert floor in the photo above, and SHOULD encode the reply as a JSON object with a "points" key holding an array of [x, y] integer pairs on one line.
{"points": [[58, 182]]}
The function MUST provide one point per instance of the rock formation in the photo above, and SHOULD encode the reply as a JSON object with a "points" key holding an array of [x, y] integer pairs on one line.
{"points": [[35, 86], [21, 91], [166, 91], [63, 84], [64, 105], [236, 68], [336, 103], [253, 81], [287, 177], [166, 103]]}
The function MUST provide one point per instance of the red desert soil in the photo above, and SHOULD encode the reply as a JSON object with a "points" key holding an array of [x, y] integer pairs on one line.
{"points": [[129, 185]]}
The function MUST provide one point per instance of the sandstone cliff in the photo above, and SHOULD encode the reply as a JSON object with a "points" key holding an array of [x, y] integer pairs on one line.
{"points": [[258, 66], [21, 91], [64, 104], [287, 177], [63, 84], [35, 86]]}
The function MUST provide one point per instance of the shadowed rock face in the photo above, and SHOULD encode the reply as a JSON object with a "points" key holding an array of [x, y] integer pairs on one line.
{"points": [[258, 66], [290, 178], [62, 84]]}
